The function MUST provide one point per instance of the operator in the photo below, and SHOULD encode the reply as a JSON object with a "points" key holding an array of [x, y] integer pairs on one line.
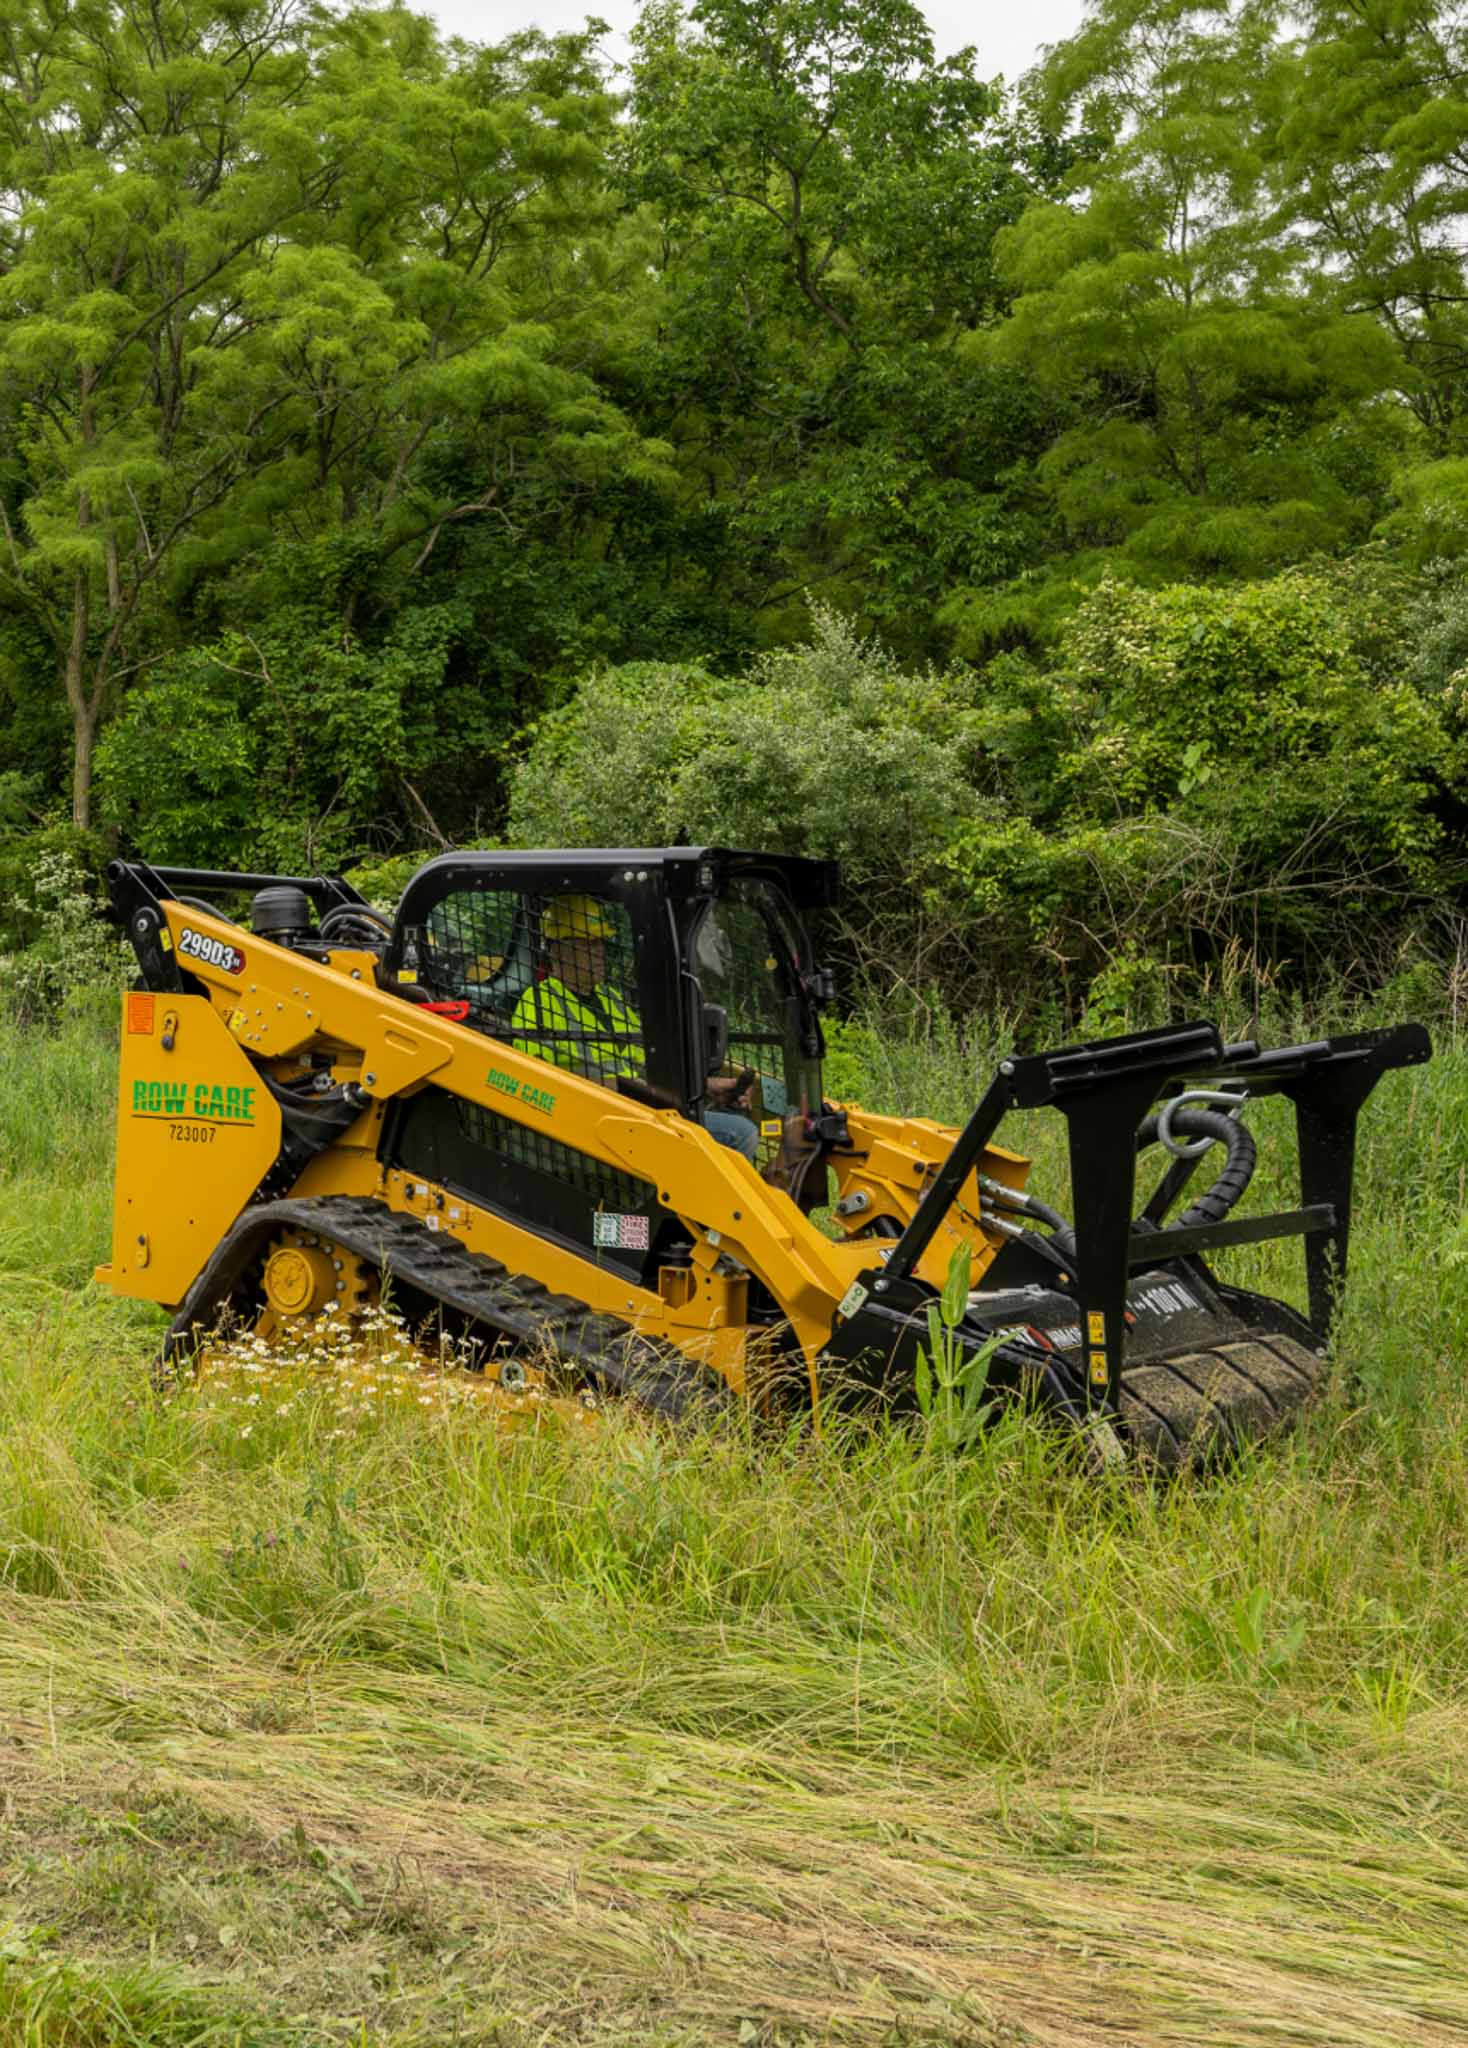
{"points": [[595, 1029]]}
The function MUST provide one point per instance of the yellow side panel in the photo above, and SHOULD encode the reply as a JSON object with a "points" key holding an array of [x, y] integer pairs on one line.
{"points": [[197, 1130]]}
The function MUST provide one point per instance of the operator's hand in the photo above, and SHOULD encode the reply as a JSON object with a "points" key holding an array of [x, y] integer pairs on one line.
{"points": [[726, 1093]]}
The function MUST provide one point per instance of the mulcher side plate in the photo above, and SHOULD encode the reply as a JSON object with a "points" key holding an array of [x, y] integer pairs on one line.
{"points": [[1206, 1367]]}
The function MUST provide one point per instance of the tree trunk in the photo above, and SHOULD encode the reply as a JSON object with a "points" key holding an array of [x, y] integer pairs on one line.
{"points": [[84, 707], [81, 770]]}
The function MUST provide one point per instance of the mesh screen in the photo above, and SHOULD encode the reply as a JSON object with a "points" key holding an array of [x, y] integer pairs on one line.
{"points": [[555, 976], [580, 1011], [478, 949], [520, 1146]]}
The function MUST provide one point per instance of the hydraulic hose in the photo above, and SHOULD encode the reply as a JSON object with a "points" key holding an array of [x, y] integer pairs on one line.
{"points": [[1062, 1235], [355, 921], [1185, 1120], [1238, 1142]]}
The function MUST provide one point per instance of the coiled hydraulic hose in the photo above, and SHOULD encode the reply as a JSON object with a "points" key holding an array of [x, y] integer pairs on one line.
{"points": [[346, 923], [1236, 1138]]}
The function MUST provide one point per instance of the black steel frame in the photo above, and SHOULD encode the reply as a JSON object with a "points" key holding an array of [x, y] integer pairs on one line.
{"points": [[1104, 1091], [139, 891]]}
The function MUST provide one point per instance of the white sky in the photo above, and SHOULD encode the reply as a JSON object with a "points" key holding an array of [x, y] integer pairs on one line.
{"points": [[1007, 38]]}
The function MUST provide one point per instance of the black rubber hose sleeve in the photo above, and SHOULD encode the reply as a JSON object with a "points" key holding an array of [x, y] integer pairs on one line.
{"points": [[1238, 1141]]}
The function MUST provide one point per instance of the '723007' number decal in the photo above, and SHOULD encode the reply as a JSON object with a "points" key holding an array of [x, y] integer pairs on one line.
{"points": [[215, 952]]}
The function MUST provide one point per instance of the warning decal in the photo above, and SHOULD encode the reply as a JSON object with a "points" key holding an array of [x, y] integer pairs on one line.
{"points": [[623, 1233]]}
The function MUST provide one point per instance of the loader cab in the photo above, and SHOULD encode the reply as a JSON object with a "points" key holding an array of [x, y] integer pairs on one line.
{"points": [[648, 969]]}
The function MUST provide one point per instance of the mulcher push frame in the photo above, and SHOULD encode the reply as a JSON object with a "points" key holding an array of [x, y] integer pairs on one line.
{"points": [[1104, 1090]]}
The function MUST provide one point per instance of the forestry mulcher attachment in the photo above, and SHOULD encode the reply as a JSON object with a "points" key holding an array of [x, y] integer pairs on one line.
{"points": [[569, 1104]]}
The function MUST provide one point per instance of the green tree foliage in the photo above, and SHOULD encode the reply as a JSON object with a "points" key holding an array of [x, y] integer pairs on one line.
{"points": [[825, 195], [1372, 171], [1051, 500], [267, 750], [1203, 776], [268, 269], [147, 157], [831, 750], [1212, 772], [1214, 408]]}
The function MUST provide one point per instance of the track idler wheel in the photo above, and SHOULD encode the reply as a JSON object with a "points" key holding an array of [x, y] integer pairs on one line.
{"points": [[306, 1276], [309, 1279]]}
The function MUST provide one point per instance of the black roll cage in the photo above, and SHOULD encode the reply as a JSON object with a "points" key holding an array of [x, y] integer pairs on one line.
{"points": [[665, 892]]}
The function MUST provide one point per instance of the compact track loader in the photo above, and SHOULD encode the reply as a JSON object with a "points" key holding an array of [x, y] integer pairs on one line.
{"points": [[570, 1103]]}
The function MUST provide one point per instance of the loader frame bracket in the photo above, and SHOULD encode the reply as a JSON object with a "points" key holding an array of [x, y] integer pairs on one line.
{"points": [[139, 891]]}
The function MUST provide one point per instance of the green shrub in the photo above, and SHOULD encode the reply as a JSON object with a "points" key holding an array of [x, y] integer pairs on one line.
{"points": [[830, 750], [383, 881], [71, 952], [1208, 771], [271, 750]]}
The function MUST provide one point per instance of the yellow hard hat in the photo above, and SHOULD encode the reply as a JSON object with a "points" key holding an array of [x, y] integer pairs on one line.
{"points": [[574, 917]]}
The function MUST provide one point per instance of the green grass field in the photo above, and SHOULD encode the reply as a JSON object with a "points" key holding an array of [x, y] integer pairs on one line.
{"points": [[359, 1724]]}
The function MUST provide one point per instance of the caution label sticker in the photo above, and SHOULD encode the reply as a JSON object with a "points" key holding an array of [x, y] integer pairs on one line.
{"points": [[622, 1233]]}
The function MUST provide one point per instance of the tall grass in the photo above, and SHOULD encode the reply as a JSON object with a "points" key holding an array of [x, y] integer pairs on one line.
{"points": [[705, 1740]]}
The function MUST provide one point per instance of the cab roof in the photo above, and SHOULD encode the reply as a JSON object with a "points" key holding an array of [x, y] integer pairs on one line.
{"points": [[685, 870]]}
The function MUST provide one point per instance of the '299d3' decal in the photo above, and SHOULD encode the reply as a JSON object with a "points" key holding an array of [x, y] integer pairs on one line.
{"points": [[214, 952]]}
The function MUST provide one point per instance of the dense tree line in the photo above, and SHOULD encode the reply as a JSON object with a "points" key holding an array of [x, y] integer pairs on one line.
{"points": [[1050, 497]]}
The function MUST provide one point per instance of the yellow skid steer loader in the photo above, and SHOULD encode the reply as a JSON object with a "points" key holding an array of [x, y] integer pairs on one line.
{"points": [[571, 1103]]}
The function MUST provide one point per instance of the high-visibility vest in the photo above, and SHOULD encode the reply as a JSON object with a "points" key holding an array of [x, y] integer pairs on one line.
{"points": [[550, 1006]]}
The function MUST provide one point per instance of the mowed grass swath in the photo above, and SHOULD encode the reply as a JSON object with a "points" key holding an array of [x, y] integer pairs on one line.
{"points": [[335, 1716]]}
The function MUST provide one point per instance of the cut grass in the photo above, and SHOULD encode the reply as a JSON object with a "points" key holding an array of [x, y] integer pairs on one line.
{"points": [[386, 1730]]}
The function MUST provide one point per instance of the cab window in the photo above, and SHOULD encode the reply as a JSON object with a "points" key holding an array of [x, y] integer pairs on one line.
{"points": [[742, 960]]}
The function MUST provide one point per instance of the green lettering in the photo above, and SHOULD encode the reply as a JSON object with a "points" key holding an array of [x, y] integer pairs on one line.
{"points": [[234, 1105], [522, 1091]]}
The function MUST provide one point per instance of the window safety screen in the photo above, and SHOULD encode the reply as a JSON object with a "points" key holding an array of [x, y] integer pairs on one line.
{"points": [[607, 1186], [554, 975], [740, 960], [477, 949], [579, 1010]]}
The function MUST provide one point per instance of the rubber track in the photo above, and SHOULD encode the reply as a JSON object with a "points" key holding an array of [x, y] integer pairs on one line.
{"points": [[602, 1347], [1182, 1410]]}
